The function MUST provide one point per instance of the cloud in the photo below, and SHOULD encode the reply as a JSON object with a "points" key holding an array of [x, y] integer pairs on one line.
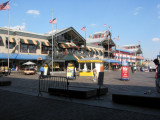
{"points": [[158, 6], [155, 39], [137, 10], [18, 27], [93, 25], [34, 12]]}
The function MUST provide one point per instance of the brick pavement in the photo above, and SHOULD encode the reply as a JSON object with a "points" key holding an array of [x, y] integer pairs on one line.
{"points": [[139, 83]]}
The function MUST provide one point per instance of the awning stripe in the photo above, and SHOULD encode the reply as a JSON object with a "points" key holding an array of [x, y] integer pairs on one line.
{"points": [[25, 41], [89, 49], [46, 43], [97, 50], [68, 45], [63, 46], [76, 57], [34, 42], [11, 39], [82, 57]]}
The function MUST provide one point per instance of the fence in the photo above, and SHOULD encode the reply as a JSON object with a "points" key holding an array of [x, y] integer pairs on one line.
{"points": [[55, 82]]}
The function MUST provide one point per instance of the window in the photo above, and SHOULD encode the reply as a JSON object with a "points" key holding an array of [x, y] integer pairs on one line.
{"points": [[93, 65], [88, 66], [11, 45], [81, 65], [32, 48], [44, 50], [24, 48]]}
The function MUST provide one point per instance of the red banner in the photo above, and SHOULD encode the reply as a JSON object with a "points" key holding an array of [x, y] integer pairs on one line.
{"points": [[125, 72]]}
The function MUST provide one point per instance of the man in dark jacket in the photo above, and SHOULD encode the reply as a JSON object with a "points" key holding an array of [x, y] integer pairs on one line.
{"points": [[156, 62]]}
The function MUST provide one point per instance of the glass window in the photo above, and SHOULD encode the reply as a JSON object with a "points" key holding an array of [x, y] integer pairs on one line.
{"points": [[11, 45], [93, 65], [88, 66], [44, 50], [24, 48], [81, 65], [32, 48]]}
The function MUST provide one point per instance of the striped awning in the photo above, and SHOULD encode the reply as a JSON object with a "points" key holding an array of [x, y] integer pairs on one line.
{"points": [[92, 50], [97, 50], [31, 42], [62, 45], [46, 43], [11, 40], [88, 49]]}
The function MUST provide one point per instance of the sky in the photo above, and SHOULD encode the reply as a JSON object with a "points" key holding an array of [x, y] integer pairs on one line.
{"points": [[135, 21]]}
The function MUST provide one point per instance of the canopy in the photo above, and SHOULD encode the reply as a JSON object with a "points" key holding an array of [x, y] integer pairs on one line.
{"points": [[29, 63], [111, 61]]}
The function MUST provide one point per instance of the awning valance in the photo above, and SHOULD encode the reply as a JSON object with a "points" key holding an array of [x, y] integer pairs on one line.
{"points": [[11, 40], [31, 42], [45, 43], [22, 56], [62, 45]]}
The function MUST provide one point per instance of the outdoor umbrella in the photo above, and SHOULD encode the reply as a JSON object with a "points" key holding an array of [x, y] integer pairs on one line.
{"points": [[29, 63]]}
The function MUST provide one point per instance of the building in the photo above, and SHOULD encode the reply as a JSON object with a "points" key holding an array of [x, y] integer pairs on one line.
{"points": [[67, 45]]}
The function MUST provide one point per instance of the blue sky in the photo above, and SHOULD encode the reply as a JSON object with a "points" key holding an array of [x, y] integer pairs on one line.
{"points": [[135, 21]]}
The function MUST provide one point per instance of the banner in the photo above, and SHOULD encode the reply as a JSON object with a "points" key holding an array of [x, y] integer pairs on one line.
{"points": [[125, 71]]}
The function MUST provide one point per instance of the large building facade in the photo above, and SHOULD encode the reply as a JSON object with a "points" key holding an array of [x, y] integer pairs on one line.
{"points": [[67, 46]]}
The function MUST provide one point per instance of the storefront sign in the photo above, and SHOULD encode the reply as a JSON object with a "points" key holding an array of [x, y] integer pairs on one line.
{"points": [[39, 58]]}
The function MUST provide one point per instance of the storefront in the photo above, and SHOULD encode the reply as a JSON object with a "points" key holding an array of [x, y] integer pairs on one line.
{"points": [[87, 65]]}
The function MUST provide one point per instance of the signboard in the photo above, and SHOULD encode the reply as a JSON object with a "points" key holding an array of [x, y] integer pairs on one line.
{"points": [[70, 71], [125, 71], [39, 58]]}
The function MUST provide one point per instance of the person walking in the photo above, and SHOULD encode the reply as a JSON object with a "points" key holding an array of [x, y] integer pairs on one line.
{"points": [[42, 72], [156, 62], [95, 74], [132, 69]]}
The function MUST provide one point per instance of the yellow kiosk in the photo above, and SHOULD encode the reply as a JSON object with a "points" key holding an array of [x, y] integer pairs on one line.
{"points": [[87, 65]]}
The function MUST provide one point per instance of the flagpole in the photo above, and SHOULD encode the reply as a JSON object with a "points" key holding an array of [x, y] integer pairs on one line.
{"points": [[52, 43], [8, 34], [55, 45], [85, 39]]}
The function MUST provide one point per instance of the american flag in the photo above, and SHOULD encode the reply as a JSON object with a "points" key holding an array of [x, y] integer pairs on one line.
{"points": [[4, 6], [83, 28], [53, 21], [110, 26]]}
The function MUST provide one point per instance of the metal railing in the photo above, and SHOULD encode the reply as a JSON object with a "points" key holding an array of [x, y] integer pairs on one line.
{"points": [[57, 82]]}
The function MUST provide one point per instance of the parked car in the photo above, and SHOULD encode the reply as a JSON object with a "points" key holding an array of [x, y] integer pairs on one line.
{"points": [[29, 71]]}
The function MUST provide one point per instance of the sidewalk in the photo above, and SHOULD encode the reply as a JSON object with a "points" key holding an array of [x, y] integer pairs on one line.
{"points": [[17, 106], [24, 90]]}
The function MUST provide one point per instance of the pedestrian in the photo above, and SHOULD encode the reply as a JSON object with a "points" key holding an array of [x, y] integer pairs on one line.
{"points": [[42, 72], [132, 69], [46, 70], [156, 62], [95, 74]]}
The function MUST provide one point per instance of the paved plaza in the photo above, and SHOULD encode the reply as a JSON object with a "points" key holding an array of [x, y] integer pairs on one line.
{"points": [[20, 101]]}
